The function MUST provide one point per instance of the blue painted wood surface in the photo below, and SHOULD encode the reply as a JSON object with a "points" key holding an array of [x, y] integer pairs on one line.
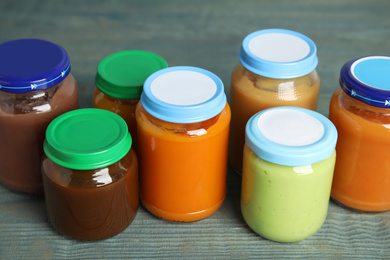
{"points": [[207, 34]]}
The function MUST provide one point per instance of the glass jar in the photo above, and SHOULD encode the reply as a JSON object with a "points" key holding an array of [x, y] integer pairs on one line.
{"points": [[119, 82], [35, 87], [360, 110], [289, 158], [90, 174], [277, 68], [183, 127]]}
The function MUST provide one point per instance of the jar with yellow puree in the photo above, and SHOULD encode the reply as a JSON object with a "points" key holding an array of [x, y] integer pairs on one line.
{"points": [[289, 158], [36, 86], [119, 82], [276, 68]]}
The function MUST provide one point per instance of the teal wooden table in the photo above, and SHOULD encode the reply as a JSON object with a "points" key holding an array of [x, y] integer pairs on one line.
{"points": [[206, 34]]}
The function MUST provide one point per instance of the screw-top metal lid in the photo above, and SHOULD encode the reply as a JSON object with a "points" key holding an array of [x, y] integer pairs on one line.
{"points": [[291, 136], [278, 53], [31, 64], [368, 79], [183, 94], [86, 139], [122, 74]]}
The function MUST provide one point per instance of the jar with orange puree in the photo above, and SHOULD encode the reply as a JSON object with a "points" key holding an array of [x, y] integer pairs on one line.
{"points": [[360, 110], [276, 68], [183, 127], [119, 82]]}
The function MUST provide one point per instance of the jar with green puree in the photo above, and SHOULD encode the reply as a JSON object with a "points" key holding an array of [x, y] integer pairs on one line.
{"points": [[289, 158]]}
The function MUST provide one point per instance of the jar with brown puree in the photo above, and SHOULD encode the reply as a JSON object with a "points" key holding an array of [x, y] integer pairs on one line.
{"points": [[276, 68], [35, 87], [90, 174]]}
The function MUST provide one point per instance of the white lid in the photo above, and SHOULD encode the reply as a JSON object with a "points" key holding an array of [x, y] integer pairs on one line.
{"points": [[183, 87], [290, 127], [279, 47]]}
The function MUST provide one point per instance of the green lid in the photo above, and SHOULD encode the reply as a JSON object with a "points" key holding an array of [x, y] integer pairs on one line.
{"points": [[122, 74], [87, 139]]}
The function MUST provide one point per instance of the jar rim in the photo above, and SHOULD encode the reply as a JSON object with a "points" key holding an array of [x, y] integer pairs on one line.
{"points": [[316, 136], [183, 94], [366, 79], [88, 138], [32, 64], [278, 53]]}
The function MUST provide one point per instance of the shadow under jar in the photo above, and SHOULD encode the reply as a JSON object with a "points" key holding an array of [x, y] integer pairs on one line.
{"points": [[90, 174], [276, 68], [35, 87]]}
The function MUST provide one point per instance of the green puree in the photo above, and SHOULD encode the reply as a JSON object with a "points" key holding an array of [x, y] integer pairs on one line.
{"points": [[285, 203]]}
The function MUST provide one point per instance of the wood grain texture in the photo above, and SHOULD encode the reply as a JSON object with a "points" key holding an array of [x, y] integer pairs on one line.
{"points": [[207, 34]]}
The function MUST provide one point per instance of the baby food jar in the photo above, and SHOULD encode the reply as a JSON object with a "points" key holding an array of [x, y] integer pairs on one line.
{"points": [[360, 110], [119, 81], [277, 68], [183, 128], [90, 174], [289, 158], [35, 87]]}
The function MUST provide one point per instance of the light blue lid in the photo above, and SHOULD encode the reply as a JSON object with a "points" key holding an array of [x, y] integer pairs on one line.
{"points": [[291, 136], [183, 94], [278, 53]]}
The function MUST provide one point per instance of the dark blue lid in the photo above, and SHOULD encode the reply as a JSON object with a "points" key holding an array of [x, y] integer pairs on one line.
{"points": [[31, 64], [368, 79]]}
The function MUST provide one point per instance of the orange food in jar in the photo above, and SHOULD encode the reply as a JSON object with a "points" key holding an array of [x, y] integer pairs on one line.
{"points": [[271, 73], [119, 82], [183, 126], [360, 111]]}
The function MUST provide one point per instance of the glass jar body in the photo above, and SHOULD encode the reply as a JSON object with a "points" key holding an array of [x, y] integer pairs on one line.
{"points": [[285, 203], [362, 173], [182, 166], [23, 121], [92, 204], [251, 93], [123, 107]]}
